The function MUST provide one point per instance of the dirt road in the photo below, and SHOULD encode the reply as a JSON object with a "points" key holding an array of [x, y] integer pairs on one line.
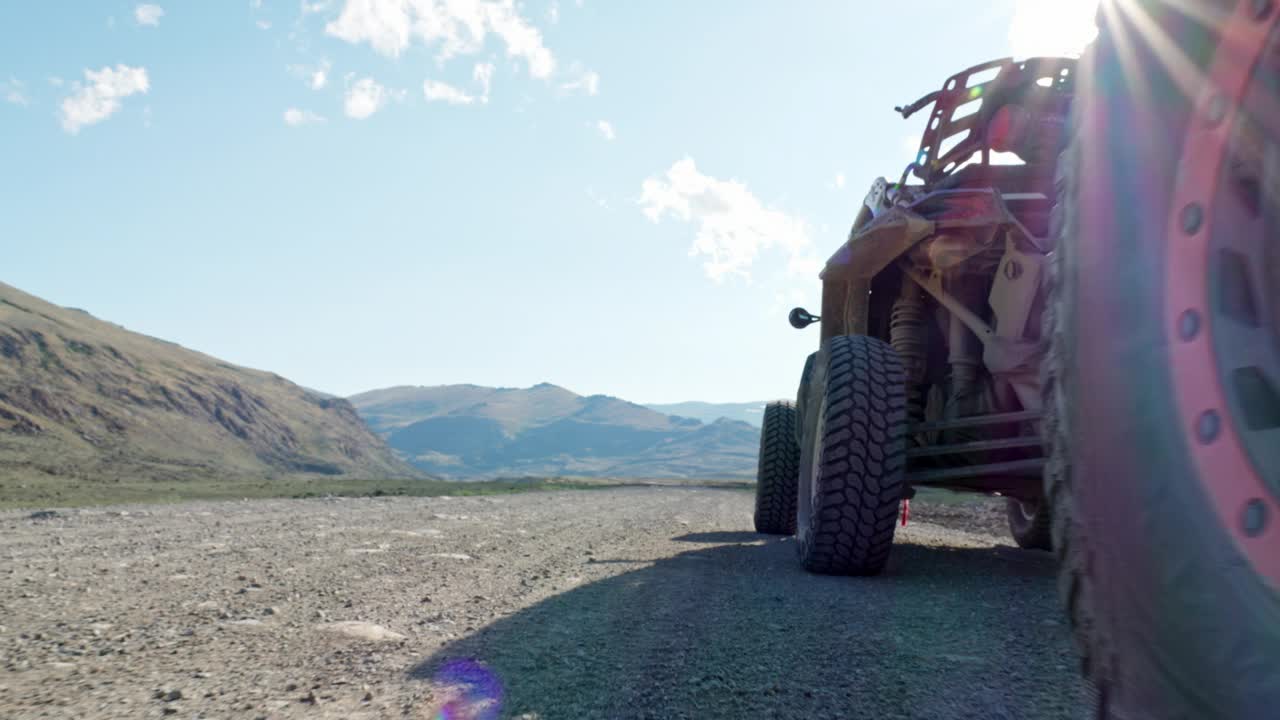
{"points": [[625, 603]]}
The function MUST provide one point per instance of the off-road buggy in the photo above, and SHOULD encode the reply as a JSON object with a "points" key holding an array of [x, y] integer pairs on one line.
{"points": [[931, 348], [1071, 298]]}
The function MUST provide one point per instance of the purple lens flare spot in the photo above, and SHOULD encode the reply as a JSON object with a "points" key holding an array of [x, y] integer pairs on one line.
{"points": [[474, 691]]}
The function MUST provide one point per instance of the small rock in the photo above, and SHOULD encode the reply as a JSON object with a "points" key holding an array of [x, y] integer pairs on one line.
{"points": [[44, 515], [168, 694], [271, 611], [361, 631]]}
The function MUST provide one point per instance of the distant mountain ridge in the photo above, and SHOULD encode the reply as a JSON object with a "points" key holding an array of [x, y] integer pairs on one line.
{"points": [[748, 412], [475, 431], [87, 399]]}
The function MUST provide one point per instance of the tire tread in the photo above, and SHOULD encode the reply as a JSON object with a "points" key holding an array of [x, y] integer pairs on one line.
{"points": [[778, 471], [862, 460]]}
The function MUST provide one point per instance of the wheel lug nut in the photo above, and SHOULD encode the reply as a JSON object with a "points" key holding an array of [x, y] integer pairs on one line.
{"points": [[1189, 324], [1217, 109], [1254, 519], [1207, 426], [1192, 217]]}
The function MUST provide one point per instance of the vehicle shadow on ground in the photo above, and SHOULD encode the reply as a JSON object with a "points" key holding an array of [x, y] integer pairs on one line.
{"points": [[735, 629]]}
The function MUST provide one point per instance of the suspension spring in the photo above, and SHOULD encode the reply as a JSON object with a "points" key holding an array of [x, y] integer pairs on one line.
{"points": [[907, 336]]}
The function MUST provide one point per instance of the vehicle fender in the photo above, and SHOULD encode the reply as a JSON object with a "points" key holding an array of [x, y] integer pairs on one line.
{"points": [[876, 245]]}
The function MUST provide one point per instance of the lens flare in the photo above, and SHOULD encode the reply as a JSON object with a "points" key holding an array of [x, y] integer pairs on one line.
{"points": [[473, 691]]}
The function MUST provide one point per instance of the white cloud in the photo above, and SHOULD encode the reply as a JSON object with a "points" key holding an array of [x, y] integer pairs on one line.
{"points": [[734, 226], [315, 76], [263, 24], [483, 74], [14, 91], [553, 12], [587, 82], [320, 76], [148, 14], [605, 128], [293, 117], [444, 92], [101, 96], [366, 97], [454, 27], [783, 301], [839, 181]]}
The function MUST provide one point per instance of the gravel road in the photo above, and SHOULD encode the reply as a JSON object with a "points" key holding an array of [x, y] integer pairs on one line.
{"points": [[621, 603]]}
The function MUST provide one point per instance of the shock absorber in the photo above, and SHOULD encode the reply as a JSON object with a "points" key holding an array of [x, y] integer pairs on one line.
{"points": [[965, 354], [907, 336]]}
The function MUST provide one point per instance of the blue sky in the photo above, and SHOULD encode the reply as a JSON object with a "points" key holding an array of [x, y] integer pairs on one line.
{"points": [[616, 197]]}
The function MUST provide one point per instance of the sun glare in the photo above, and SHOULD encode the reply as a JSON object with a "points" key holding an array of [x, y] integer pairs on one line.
{"points": [[1051, 27]]}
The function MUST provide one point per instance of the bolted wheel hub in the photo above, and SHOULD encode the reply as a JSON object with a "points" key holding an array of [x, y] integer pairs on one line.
{"points": [[1222, 285], [1244, 270]]}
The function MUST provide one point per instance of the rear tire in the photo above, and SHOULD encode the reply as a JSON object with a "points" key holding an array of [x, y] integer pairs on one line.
{"points": [[778, 471], [853, 479], [1030, 523]]}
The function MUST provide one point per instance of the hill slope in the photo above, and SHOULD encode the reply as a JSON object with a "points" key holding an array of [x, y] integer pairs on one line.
{"points": [[748, 412], [87, 399], [471, 431]]}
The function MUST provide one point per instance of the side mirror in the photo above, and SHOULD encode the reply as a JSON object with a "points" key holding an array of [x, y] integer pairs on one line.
{"points": [[801, 318]]}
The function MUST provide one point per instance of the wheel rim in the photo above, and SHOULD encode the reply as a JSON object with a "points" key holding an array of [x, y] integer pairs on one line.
{"points": [[1243, 267], [1222, 274]]}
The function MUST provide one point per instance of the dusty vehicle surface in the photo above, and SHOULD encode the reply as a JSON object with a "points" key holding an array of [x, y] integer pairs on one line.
{"points": [[1077, 306]]}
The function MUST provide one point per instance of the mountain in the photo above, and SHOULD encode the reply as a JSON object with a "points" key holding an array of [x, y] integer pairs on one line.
{"points": [[473, 431], [748, 412], [84, 398]]}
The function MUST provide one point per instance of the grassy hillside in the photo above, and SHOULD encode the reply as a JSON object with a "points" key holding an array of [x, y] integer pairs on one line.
{"points": [[87, 401], [467, 431]]}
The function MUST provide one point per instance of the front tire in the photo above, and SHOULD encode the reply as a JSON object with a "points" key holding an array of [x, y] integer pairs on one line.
{"points": [[854, 473], [777, 471], [1163, 471]]}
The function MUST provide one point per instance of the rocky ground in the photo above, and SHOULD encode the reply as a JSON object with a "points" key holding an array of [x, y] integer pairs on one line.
{"points": [[625, 603]]}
